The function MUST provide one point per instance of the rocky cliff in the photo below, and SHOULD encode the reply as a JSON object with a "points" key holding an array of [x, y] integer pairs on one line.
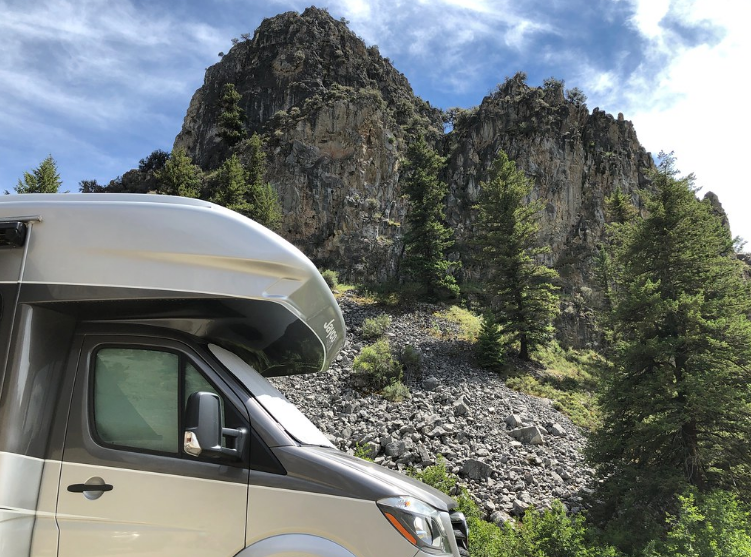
{"points": [[338, 117]]}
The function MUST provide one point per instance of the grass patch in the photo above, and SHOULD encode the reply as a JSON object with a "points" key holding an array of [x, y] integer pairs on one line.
{"points": [[569, 378], [469, 324]]}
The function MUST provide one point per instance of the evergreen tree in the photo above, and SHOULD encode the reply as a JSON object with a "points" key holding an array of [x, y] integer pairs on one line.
{"points": [[179, 176], [619, 211], [523, 296], [489, 347], [677, 409], [231, 188], [43, 179], [262, 196], [242, 187], [232, 117], [427, 237]]}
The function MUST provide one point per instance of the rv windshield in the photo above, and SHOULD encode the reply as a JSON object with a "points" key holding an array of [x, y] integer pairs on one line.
{"points": [[275, 403]]}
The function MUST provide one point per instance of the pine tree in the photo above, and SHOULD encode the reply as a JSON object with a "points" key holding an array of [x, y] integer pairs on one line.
{"points": [[677, 409], [179, 176], [619, 212], [262, 196], [523, 296], [232, 117], [43, 179], [242, 187], [231, 188], [427, 237], [489, 347]]}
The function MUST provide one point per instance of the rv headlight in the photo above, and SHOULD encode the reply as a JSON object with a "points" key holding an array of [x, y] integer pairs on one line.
{"points": [[419, 523]]}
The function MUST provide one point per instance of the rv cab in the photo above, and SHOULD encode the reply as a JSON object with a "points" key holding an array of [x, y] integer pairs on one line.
{"points": [[137, 333]]}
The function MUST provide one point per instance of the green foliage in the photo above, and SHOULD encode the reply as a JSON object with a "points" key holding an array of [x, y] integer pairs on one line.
{"points": [[554, 533], [239, 185], [155, 161], [715, 525], [374, 327], [395, 392], [469, 323], [489, 348], [524, 300], [411, 359], [576, 96], [570, 379], [331, 278], [377, 365], [179, 176], [677, 407], [43, 179], [619, 209], [231, 117], [550, 533], [90, 186], [264, 201], [231, 188], [427, 237], [362, 451], [619, 212]]}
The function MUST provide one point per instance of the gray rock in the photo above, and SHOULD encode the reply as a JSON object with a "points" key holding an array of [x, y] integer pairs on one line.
{"points": [[499, 518], [460, 407], [519, 507], [514, 420], [395, 449], [476, 469], [528, 435], [557, 430], [431, 383]]}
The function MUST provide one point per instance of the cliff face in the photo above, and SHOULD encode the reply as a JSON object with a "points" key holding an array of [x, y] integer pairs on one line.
{"points": [[336, 115], [337, 118]]}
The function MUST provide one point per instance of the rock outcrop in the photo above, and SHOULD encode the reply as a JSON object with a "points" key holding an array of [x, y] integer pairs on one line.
{"points": [[337, 118]]}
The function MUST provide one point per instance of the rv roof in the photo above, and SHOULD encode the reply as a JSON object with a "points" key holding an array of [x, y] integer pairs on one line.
{"points": [[172, 244]]}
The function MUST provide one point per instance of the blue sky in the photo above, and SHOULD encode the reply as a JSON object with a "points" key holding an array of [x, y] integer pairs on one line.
{"points": [[100, 84]]}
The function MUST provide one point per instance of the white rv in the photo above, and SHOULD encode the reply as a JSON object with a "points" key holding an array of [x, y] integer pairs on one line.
{"points": [[136, 332]]}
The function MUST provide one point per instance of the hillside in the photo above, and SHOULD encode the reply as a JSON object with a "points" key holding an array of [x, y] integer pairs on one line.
{"points": [[486, 432]]}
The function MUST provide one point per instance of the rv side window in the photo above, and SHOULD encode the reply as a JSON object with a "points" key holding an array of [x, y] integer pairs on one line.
{"points": [[138, 399]]}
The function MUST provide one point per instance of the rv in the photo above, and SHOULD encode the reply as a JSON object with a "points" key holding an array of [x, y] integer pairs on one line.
{"points": [[136, 336]]}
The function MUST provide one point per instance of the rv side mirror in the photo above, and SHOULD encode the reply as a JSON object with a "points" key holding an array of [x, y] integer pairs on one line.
{"points": [[204, 431]]}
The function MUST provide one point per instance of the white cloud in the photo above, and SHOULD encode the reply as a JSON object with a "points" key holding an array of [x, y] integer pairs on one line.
{"points": [[648, 15], [695, 104], [86, 58], [451, 44]]}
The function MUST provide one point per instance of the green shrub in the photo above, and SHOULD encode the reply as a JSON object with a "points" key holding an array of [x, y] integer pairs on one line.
{"points": [[331, 278], [410, 358], [713, 525], [396, 392], [363, 452], [376, 367], [375, 327]]}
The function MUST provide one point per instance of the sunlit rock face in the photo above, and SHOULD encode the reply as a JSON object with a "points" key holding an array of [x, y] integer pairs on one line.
{"points": [[337, 118]]}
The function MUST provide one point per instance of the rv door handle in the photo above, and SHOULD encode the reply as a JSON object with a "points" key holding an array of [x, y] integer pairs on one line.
{"points": [[80, 488]]}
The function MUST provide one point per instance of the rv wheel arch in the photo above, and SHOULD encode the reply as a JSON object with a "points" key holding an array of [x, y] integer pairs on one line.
{"points": [[295, 545]]}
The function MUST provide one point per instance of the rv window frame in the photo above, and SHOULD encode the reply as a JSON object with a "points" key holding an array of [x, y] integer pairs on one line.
{"points": [[183, 359]]}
